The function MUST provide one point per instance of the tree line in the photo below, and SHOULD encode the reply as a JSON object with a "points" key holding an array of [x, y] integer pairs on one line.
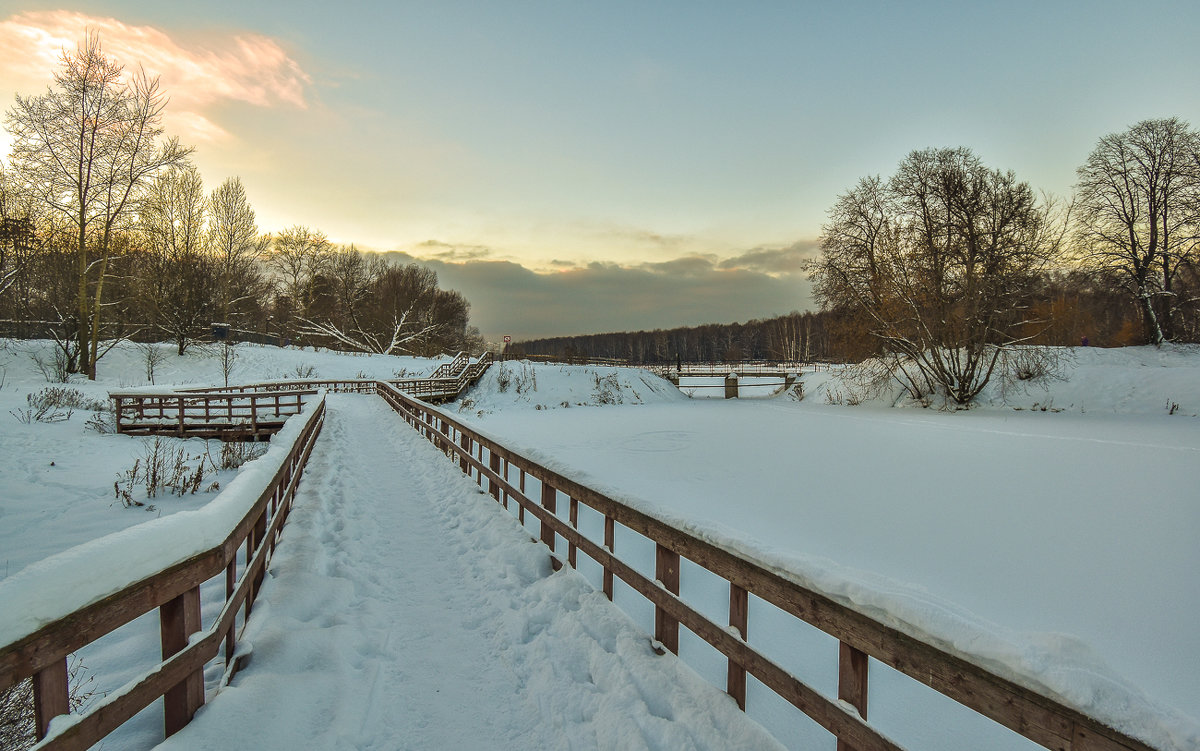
{"points": [[946, 266], [1075, 304], [107, 232]]}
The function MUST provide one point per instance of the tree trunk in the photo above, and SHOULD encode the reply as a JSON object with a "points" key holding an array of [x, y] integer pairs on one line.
{"points": [[81, 300], [91, 370], [1154, 334]]}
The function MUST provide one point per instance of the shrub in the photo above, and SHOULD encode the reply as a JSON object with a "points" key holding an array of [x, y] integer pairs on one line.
{"points": [[161, 469], [17, 729]]}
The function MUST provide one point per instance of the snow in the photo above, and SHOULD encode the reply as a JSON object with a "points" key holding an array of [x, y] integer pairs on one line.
{"points": [[1055, 548], [405, 610], [58, 585], [1049, 534]]}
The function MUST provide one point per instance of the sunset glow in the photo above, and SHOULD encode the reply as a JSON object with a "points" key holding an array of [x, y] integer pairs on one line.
{"points": [[665, 159]]}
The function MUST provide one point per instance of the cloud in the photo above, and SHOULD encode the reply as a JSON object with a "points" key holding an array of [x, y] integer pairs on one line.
{"points": [[508, 298], [441, 251], [692, 266], [775, 261], [244, 67]]}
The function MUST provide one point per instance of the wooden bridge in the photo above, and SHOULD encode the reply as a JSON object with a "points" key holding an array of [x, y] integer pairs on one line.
{"points": [[258, 410], [556, 502]]}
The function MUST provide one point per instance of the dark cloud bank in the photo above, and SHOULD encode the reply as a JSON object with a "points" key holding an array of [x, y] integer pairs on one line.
{"points": [[507, 298]]}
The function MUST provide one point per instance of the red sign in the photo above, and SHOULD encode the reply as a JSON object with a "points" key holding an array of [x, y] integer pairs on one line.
{"points": [[507, 339]]}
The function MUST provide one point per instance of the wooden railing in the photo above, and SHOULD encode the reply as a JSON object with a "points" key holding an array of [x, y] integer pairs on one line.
{"points": [[259, 409], [207, 413], [1040, 718], [511, 478], [352, 385], [452, 368], [175, 591]]}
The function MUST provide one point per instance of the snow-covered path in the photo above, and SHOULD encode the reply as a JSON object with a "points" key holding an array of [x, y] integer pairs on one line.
{"points": [[405, 609]]}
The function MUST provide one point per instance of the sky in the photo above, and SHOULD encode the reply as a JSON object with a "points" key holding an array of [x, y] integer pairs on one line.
{"points": [[585, 167]]}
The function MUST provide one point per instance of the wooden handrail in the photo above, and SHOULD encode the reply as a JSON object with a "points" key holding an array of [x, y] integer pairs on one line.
{"points": [[1040, 718], [175, 591], [42, 654]]}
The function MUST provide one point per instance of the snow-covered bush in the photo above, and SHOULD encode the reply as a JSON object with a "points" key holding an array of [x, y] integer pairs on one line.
{"points": [[234, 454], [608, 389], [17, 728], [162, 469]]}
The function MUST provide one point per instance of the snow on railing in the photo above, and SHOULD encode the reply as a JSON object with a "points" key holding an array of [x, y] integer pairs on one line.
{"points": [[205, 413], [63, 603], [1040, 718], [67, 601], [259, 409]]}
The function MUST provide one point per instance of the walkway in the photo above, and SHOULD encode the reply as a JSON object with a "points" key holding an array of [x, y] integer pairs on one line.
{"points": [[405, 610]]}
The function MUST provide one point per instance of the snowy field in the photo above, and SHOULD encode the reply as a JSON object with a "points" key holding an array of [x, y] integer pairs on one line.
{"points": [[1049, 535], [1057, 546]]}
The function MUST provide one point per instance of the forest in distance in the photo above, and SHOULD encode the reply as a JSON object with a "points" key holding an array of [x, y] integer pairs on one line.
{"points": [[1082, 308], [942, 267], [107, 233], [945, 263]]}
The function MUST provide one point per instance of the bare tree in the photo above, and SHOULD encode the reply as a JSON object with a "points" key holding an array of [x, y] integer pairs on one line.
{"points": [[941, 262], [234, 241], [178, 278], [379, 308], [85, 148], [1139, 214], [299, 257], [17, 235]]}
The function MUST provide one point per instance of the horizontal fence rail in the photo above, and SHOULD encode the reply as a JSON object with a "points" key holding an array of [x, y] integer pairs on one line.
{"points": [[257, 410], [1039, 718], [42, 656], [249, 413], [175, 592]]}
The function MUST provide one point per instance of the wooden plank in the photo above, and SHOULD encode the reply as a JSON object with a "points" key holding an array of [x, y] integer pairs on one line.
{"points": [[609, 535], [829, 714], [230, 588], [506, 465], [72, 632], [178, 620], [1039, 718], [852, 683], [739, 615], [666, 571], [51, 695], [112, 711], [521, 507], [571, 546], [494, 465], [550, 504]]}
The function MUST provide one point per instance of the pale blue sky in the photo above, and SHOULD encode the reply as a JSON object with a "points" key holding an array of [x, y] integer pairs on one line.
{"points": [[554, 135]]}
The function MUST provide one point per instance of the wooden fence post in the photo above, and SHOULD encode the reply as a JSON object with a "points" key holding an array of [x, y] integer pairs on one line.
{"points": [[550, 503], [739, 612], [521, 506], [494, 465], [506, 482], [179, 619], [464, 441], [609, 535], [574, 515], [50, 695], [666, 570], [230, 586], [852, 683], [258, 534]]}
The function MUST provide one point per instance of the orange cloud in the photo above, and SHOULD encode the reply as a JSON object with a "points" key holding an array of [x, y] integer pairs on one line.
{"points": [[248, 68]]}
